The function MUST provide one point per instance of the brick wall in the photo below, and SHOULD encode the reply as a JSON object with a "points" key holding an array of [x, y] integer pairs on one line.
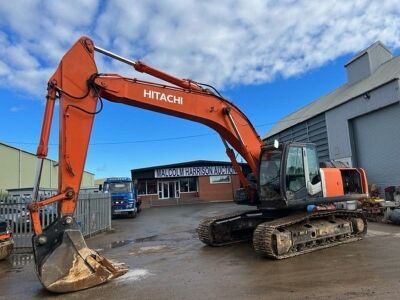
{"points": [[217, 191], [207, 192], [185, 198]]}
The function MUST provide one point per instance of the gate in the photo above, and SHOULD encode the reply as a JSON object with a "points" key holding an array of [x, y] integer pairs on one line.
{"points": [[93, 214]]}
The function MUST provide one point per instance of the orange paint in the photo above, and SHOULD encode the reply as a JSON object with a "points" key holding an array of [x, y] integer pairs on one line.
{"points": [[333, 185], [77, 82], [37, 226], [5, 236]]}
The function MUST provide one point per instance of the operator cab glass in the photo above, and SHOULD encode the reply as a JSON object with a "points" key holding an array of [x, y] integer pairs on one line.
{"points": [[289, 172], [295, 178], [270, 169]]}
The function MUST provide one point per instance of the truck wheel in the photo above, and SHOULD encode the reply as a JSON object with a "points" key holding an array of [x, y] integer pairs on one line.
{"points": [[132, 214]]}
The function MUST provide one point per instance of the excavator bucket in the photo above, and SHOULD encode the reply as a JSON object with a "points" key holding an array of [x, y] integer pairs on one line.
{"points": [[64, 263]]}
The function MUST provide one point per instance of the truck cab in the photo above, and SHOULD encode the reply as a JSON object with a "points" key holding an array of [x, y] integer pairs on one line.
{"points": [[123, 196]]}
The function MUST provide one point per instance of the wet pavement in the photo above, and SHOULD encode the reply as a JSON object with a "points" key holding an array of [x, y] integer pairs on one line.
{"points": [[167, 261]]}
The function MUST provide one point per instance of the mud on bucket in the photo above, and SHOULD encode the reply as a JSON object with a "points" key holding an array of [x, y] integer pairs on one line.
{"points": [[64, 263]]}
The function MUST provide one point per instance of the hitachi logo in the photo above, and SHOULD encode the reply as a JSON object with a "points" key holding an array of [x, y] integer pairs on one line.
{"points": [[163, 97]]}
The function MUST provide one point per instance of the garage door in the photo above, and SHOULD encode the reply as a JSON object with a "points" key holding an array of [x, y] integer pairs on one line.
{"points": [[377, 145]]}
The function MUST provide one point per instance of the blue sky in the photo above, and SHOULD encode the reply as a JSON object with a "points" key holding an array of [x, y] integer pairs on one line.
{"points": [[270, 59]]}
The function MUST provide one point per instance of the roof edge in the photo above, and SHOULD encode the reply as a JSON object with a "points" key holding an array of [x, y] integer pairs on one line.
{"points": [[363, 52], [31, 153], [267, 135], [184, 163]]}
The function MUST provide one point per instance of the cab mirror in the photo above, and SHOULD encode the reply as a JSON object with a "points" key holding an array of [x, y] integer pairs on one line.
{"points": [[276, 144]]}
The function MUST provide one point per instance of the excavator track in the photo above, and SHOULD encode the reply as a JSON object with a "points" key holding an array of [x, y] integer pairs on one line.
{"points": [[304, 233], [229, 228]]}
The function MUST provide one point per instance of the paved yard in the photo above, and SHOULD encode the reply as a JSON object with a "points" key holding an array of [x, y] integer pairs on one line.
{"points": [[168, 262]]}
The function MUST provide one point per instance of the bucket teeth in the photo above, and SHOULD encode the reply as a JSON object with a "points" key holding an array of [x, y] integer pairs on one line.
{"points": [[64, 263]]}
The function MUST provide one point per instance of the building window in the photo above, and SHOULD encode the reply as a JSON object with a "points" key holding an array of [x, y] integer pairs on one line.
{"points": [[147, 187], [142, 187], [220, 179], [188, 185], [151, 187]]}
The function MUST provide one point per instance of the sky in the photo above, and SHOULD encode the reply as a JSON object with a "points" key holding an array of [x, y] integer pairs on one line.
{"points": [[268, 57]]}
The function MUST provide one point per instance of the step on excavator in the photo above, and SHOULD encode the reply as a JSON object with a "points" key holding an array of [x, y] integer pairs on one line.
{"points": [[292, 194]]}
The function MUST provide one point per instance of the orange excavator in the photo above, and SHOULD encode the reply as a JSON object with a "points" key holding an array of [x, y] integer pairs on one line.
{"points": [[292, 194]]}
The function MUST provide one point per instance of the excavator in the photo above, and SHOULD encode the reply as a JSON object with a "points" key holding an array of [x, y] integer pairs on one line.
{"points": [[292, 194]]}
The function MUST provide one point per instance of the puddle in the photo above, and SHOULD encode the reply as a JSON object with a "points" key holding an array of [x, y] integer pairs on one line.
{"points": [[18, 260], [15, 263], [169, 237], [120, 243], [147, 239]]}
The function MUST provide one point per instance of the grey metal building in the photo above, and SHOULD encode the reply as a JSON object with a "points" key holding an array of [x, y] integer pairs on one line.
{"points": [[18, 167], [357, 123]]}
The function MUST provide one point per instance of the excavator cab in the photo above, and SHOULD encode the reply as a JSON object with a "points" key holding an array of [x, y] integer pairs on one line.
{"points": [[289, 173]]}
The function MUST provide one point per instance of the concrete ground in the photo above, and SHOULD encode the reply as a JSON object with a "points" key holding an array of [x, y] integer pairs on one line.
{"points": [[168, 262]]}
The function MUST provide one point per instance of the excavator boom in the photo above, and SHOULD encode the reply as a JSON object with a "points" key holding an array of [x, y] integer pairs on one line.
{"points": [[63, 261]]}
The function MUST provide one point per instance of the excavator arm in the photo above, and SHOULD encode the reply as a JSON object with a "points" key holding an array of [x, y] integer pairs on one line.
{"points": [[63, 261]]}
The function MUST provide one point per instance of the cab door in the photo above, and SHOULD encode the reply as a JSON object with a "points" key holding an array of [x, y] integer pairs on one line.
{"points": [[302, 176], [311, 168], [295, 180]]}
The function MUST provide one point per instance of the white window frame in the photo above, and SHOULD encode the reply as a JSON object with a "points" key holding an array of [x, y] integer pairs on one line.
{"points": [[160, 189], [221, 182], [311, 188]]}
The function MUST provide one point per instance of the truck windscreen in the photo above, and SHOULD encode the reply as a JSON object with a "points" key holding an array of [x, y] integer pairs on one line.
{"points": [[118, 187]]}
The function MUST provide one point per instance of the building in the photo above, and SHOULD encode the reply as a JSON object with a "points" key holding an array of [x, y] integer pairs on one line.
{"points": [[18, 168], [99, 182], [357, 123], [188, 182]]}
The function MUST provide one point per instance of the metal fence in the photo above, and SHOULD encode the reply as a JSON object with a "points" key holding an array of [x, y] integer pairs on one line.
{"points": [[93, 214]]}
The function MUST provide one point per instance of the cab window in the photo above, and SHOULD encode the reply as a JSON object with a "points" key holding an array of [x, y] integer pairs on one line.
{"points": [[312, 162], [295, 179], [269, 174]]}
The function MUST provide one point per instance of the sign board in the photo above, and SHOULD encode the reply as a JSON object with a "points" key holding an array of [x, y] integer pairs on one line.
{"points": [[118, 179], [194, 171]]}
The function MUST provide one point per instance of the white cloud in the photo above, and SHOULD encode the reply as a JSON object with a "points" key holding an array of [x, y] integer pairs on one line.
{"points": [[223, 43], [15, 109]]}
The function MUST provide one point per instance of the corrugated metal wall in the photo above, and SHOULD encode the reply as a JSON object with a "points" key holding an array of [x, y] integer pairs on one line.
{"points": [[18, 167], [310, 131], [377, 145]]}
